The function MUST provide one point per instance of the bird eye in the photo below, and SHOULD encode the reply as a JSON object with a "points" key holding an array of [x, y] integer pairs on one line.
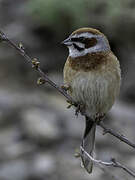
{"points": [[74, 39], [81, 39], [78, 39]]}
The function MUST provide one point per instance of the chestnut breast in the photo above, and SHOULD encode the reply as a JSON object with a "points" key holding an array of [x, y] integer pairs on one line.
{"points": [[94, 81]]}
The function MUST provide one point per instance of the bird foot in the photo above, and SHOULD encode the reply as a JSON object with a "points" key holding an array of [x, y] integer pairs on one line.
{"points": [[99, 117], [79, 109]]}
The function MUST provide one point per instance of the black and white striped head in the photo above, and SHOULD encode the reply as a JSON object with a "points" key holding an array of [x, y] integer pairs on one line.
{"points": [[86, 40]]}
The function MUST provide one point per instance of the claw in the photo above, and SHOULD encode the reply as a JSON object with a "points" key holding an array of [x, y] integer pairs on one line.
{"points": [[79, 109], [99, 117]]}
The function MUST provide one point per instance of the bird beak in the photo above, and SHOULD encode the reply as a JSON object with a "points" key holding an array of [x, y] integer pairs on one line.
{"points": [[67, 42]]}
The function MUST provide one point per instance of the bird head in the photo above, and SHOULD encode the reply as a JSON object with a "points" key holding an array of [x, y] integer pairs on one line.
{"points": [[86, 40]]}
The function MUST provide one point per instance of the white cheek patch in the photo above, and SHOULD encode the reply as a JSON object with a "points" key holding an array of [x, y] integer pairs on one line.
{"points": [[80, 45], [73, 52]]}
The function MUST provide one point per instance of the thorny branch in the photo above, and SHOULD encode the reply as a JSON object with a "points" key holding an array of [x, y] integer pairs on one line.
{"points": [[45, 79]]}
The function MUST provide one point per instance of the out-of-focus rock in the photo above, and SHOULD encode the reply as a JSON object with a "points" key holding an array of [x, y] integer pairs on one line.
{"points": [[14, 170], [68, 163], [124, 116], [8, 135], [41, 125], [42, 165], [18, 149], [10, 145]]}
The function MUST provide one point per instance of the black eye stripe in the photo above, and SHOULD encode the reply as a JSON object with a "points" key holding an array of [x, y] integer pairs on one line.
{"points": [[77, 47], [88, 42]]}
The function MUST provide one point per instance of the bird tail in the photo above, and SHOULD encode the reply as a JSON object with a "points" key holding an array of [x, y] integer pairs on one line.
{"points": [[88, 144]]}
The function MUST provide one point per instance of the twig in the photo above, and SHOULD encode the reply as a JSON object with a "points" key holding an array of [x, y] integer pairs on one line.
{"points": [[115, 134], [33, 62], [44, 78], [112, 163]]}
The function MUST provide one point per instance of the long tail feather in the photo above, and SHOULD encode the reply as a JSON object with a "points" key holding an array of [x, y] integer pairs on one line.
{"points": [[88, 144]]}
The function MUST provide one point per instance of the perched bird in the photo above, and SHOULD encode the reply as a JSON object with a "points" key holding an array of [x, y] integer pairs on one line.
{"points": [[92, 74]]}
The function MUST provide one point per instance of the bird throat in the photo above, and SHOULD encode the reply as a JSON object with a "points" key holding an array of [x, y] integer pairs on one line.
{"points": [[88, 62]]}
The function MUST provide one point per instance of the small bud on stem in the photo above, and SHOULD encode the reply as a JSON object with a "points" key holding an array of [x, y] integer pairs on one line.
{"points": [[35, 63], [40, 81]]}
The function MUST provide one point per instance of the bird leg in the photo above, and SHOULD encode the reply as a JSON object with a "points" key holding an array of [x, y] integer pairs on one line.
{"points": [[99, 117], [80, 108]]}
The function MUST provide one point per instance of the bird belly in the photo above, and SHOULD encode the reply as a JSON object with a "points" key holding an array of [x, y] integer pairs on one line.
{"points": [[96, 91]]}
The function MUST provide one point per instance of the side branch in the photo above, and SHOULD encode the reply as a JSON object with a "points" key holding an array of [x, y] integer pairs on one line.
{"points": [[33, 62], [115, 134]]}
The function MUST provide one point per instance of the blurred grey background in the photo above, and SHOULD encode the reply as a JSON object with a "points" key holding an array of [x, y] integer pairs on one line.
{"points": [[38, 135]]}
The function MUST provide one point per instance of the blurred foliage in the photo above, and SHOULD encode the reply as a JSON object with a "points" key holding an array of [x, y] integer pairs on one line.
{"points": [[71, 14], [56, 12]]}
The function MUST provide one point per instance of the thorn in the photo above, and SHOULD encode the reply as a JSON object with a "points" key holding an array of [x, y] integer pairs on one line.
{"points": [[40, 81]]}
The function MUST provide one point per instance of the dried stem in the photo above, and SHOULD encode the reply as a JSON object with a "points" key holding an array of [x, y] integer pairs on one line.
{"points": [[44, 78], [115, 134], [30, 60]]}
